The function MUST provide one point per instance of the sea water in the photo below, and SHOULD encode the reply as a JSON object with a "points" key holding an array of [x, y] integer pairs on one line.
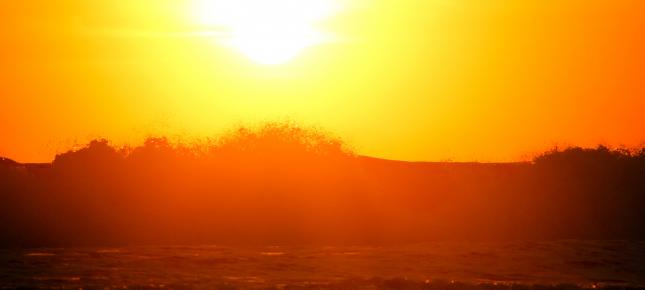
{"points": [[442, 265]]}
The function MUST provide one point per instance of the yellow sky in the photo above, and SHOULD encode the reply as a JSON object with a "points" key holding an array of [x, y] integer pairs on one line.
{"points": [[407, 79]]}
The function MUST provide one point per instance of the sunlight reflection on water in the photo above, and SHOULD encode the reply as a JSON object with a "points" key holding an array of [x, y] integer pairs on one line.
{"points": [[272, 253], [38, 254]]}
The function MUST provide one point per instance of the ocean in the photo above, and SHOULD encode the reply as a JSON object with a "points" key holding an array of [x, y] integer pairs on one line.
{"points": [[566, 264]]}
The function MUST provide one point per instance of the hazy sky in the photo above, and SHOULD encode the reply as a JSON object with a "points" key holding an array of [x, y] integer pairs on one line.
{"points": [[407, 79]]}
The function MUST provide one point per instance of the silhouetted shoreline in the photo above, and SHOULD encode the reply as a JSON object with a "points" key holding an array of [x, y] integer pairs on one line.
{"points": [[285, 185]]}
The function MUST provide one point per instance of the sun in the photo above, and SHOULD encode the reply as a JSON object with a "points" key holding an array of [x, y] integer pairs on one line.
{"points": [[268, 32]]}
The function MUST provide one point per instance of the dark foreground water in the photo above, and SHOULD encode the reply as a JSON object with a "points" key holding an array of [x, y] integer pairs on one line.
{"points": [[486, 266]]}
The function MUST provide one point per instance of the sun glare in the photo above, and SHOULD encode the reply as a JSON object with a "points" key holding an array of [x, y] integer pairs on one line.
{"points": [[266, 31]]}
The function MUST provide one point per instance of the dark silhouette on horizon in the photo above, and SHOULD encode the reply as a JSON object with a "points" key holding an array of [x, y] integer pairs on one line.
{"points": [[285, 184]]}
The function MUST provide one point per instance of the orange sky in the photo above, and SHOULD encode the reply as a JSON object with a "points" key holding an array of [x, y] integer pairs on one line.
{"points": [[408, 79]]}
